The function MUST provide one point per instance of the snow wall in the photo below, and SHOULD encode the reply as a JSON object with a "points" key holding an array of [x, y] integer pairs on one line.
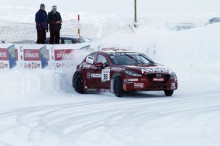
{"points": [[31, 70]]}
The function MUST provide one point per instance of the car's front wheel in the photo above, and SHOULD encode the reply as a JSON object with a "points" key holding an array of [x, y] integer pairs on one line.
{"points": [[168, 92], [118, 87], [78, 83]]}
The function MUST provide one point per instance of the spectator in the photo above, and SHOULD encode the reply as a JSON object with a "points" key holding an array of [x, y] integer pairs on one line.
{"points": [[55, 22], [41, 24]]}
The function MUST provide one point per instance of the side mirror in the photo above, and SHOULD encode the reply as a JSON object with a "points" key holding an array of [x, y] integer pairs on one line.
{"points": [[99, 65]]}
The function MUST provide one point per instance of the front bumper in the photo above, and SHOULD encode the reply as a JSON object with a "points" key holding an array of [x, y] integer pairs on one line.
{"points": [[145, 83]]}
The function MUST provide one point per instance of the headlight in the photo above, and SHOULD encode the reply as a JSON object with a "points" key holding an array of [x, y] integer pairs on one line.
{"points": [[131, 73], [173, 75]]}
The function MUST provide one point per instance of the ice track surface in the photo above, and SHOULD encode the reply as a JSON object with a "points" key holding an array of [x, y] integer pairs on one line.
{"points": [[190, 117]]}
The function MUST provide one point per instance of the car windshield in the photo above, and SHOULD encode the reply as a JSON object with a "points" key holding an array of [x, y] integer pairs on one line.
{"points": [[129, 58]]}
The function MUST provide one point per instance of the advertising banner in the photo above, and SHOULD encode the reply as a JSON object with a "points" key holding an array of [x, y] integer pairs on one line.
{"points": [[4, 58], [36, 58], [32, 58], [7, 59]]}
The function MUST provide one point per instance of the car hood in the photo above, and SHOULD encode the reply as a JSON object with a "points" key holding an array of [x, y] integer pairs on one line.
{"points": [[148, 69]]}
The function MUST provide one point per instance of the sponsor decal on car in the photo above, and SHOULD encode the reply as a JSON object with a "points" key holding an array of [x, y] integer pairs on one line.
{"points": [[132, 80], [95, 75], [173, 85], [87, 66], [90, 59], [155, 70], [88, 75], [117, 69], [138, 85]]}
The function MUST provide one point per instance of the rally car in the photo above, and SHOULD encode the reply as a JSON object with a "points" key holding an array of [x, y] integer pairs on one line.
{"points": [[121, 71]]}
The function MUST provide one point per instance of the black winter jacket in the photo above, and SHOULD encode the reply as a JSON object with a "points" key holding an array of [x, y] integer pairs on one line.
{"points": [[52, 19], [41, 20]]}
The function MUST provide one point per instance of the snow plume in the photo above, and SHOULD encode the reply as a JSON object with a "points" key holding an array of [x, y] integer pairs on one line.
{"points": [[193, 54], [76, 56]]}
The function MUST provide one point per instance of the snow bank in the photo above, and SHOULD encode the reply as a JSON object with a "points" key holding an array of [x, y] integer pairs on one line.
{"points": [[24, 83]]}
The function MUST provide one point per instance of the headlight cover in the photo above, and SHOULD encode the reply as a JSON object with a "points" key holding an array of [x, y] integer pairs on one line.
{"points": [[134, 74]]}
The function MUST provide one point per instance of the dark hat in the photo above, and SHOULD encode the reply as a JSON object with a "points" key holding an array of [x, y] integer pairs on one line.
{"points": [[42, 5], [54, 7]]}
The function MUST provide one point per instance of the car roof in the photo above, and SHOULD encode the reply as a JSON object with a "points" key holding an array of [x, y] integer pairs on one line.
{"points": [[117, 51]]}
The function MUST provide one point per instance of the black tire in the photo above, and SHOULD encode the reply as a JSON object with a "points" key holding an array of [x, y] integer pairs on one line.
{"points": [[168, 92], [118, 87], [78, 83]]}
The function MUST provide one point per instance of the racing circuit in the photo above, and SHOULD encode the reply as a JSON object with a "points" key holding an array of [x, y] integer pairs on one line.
{"points": [[39, 107]]}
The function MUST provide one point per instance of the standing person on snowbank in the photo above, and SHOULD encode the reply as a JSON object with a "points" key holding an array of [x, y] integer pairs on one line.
{"points": [[55, 22], [41, 24]]}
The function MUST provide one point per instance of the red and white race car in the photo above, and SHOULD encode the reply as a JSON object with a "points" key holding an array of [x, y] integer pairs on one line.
{"points": [[122, 71]]}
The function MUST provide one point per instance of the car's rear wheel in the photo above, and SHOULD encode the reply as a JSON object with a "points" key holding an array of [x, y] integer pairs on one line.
{"points": [[78, 83], [118, 87], [168, 92]]}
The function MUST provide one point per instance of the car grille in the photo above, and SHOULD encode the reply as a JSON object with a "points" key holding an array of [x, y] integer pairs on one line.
{"points": [[151, 76]]}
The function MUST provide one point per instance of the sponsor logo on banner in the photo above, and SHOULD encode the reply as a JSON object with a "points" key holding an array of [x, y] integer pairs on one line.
{"points": [[31, 55], [3, 54], [3, 65], [64, 58], [4, 57], [63, 54], [12, 57]]}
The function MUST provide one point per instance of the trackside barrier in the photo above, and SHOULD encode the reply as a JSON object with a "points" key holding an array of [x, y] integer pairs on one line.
{"points": [[39, 56]]}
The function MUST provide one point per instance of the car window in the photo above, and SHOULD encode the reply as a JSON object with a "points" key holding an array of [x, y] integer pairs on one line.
{"points": [[129, 58], [66, 41], [75, 41], [102, 59]]}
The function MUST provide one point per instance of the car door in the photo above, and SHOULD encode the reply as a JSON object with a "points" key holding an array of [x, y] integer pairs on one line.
{"points": [[103, 81], [89, 69]]}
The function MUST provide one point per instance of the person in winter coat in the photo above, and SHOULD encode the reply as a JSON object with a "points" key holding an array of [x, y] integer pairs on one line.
{"points": [[55, 22], [41, 24]]}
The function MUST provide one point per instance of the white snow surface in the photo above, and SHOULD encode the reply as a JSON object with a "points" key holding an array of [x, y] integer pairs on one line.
{"points": [[40, 108]]}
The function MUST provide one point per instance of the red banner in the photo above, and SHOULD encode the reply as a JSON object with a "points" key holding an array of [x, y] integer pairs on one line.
{"points": [[33, 54], [4, 54], [63, 54]]}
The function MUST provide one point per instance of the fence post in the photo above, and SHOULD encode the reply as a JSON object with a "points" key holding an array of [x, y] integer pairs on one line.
{"points": [[78, 29]]}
